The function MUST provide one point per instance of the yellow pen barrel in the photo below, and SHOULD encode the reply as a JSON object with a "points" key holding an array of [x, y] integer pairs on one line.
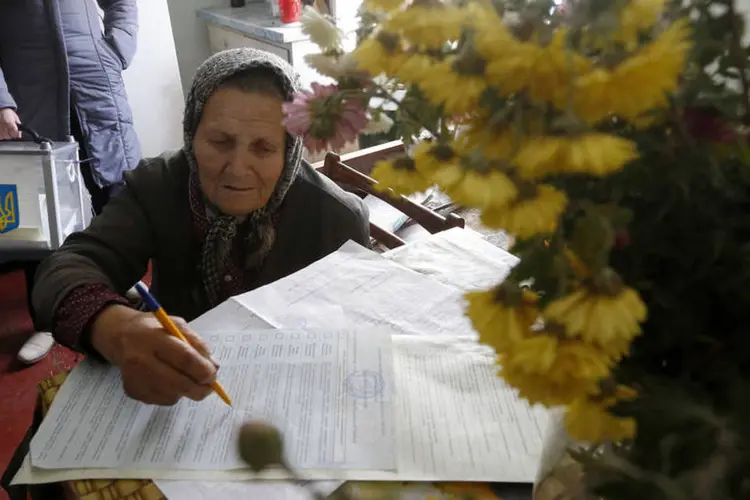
{"points": [[172, 329], [169, 325]]}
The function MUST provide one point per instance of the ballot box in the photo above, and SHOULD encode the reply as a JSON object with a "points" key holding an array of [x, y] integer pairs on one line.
{"points": [[43, 198]]}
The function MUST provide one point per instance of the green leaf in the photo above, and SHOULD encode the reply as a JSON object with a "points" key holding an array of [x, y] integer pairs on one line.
{"points": [[592, 237]]}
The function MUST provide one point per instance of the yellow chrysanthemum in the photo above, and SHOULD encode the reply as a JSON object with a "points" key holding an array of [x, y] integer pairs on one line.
{"points": [[492, 39], [553, 372], [444, 174], [527, 217], [416, 68], [592, 97], [502, 316], [428, 26], [594, 153], [430, 157], [458, 94], [400, 175], [497, 145], [646, 77], [609, 321], [590, 421], [636, 16], [639, 84], [545, 72], [380, 53], [483, 189], [533, 355]]}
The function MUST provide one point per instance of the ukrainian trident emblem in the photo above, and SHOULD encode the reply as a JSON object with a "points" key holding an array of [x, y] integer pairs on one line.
{"points": [[9, 216]]}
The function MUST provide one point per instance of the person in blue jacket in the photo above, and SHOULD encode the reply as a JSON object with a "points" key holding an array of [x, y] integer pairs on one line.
{"points": [[61, 64]]}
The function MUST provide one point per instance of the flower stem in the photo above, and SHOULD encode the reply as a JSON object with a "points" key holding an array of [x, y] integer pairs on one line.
{"points": [[385, 94]]}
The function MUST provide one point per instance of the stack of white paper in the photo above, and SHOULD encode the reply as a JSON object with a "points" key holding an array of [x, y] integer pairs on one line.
{"points": [[452, 417], [454, 421], [329, 393]]}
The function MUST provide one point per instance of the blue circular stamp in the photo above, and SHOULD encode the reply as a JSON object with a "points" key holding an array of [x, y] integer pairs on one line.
{"points": [[364, 384]]}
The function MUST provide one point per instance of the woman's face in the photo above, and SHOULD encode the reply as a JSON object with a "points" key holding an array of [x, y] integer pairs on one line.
{"points": [[240, 149]]}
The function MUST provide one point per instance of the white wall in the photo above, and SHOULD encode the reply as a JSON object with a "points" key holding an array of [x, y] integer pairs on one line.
{"points": [[153, 82], [190, 35]]}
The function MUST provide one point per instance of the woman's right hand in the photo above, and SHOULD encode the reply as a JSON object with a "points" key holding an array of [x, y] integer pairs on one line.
{"points": [[156, 367]]}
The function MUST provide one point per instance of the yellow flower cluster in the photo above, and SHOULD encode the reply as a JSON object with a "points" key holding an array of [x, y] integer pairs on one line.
{"points": [[516, 157], [636, 17], [556, 92], [399, 176], [589, 420], [562, 354], [635, 86]]}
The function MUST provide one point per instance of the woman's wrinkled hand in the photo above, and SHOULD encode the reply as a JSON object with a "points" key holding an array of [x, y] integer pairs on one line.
{"points": [[156, 367]]}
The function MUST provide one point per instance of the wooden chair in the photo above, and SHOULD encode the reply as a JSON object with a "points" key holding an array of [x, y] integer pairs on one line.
{"points": [[354, 180], [364, 160]]}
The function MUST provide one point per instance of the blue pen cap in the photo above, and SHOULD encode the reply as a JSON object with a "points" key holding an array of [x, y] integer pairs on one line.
{"points": [[148, 300]]}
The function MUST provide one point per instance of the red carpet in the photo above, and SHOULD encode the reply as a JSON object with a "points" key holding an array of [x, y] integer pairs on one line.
{"points": [[18, 382]]}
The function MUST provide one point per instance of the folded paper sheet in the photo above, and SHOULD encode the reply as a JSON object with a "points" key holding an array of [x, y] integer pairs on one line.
{"points": [[329, 393], [373, 292], [460, 258]]}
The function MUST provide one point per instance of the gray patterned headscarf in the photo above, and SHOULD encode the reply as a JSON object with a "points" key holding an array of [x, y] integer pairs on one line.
{"points": [[259, 224]]}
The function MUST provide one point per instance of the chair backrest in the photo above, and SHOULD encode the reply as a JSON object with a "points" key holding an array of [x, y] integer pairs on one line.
{"points": [[342, 173], [363, 160]]}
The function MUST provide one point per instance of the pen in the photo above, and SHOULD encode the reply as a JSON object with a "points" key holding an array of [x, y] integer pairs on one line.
{"points": [[172, 329]]}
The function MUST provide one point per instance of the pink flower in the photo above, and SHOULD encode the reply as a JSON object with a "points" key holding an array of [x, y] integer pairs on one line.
{"points": [[323, 118]]}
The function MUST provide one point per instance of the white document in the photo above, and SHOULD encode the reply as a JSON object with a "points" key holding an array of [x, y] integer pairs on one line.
{"points": [[457, 421], [413, 233], [454, 420], [243, 490], [373, 292], [229, 316], [329, 393], [383, 214], [461, 258]]}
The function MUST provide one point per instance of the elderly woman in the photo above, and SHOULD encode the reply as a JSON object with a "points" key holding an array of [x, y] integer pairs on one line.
{"points": [[235, 209]]}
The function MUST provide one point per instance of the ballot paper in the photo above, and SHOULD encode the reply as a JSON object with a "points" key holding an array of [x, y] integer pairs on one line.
{"points": [[458, 257], [231, 315], [373, 291], [328, 392], [454, 421], [457, 421]]}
